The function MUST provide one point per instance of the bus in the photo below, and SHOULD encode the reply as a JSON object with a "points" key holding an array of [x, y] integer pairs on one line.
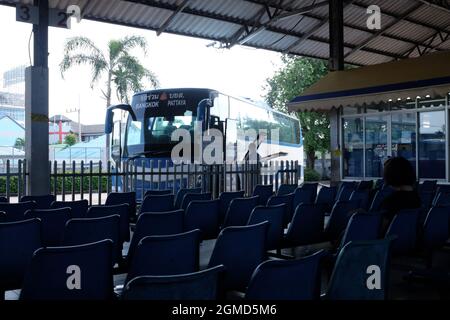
{"points": [[154, 116]]}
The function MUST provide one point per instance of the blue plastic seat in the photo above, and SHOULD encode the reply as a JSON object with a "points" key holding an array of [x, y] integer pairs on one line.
{"points": [[306, 226], [18, 241], [115, 198], [264, 192], [286, 189], [310, 186], [379, 184], [326, 197], [180, 195], [201, 285], [362, 196], [203, 215], [188, 197], [441, 199], [166, 255], [340, 214], [274, 215], [378, 199], [155, 224], [364, 185], [53, 222], [426, 199], [79, 207], [355, 264], [16, 211], [404, 227], [303, 195], [362, 227], [225, 199], [157, 192], [345, 190], [3, 200], [288, 200], [240, 250], [428, 186], [161, 203], [42, 202], [53, 273], [122, 210], [436, 228], [86, 230], [286, 279], [239, 211], [2, 216]]}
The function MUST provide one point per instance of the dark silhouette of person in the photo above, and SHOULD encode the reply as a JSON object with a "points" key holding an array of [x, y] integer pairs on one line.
{"points": [[399, 175]]}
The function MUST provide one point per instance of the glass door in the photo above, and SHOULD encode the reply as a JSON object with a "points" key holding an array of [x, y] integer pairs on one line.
{"points": [[376, 150], [403, 136]]}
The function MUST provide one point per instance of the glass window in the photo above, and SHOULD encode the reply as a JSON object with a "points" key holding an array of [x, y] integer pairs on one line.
{"points": [[376, 145], [353, 147], [404, 136], [134, 135], [432, 145]]}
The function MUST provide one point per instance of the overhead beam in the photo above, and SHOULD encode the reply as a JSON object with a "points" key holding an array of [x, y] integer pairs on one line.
{"points": [[382, 31], [440, 5], [336, 35], [428, 47], [170, 18]]}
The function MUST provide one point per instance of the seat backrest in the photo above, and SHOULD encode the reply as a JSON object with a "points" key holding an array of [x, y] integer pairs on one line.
{"points": [[362, 196], [79, 207], [53, 222], [158, 192], [311, 186], [86, 230], [340, 214], [188, 197], [201, 285], [426, 199], [156, 224], [306, 226], [2, 216], [240, 250], [18, 241], [428, 186], [81, 272], [3, 199], [286, 189], [225, 199], [362, 226], [379, 197], [286, 279], [436, 227], [264, 192], [129, 198], [161, 203], [361, 271], [166, 255], [122, 210], [442, 199], [404, 227], [239, 211], [345, 190], [42, 202], [326, 196], [303, 195], [288, 200], [364, 185], [203, 215], [16, 211], [180, 195], [274, 215]]}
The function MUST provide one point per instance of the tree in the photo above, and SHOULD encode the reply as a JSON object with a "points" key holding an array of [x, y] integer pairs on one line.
{"points": [[19, 143], [295, 76], [70, 139]]}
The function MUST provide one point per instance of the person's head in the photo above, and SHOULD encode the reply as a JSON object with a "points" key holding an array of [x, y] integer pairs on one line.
{"points": [[399, 172]]}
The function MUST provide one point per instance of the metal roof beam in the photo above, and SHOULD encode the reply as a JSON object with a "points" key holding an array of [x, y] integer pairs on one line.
{"points": [[170, 18], [429, 47], [437, 4], [382, 31]]}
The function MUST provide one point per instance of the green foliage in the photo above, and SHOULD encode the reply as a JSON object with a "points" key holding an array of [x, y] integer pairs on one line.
{"points": [[121, 68], [295, 76], [19, 143], [311, 175], [70, 139]]}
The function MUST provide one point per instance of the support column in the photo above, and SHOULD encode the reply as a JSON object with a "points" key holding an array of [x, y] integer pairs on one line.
{"points": [[336, 62], [36, 108]]}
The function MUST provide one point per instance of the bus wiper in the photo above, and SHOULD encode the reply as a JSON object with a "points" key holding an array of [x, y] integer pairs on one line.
{"points": [[144, 153]]}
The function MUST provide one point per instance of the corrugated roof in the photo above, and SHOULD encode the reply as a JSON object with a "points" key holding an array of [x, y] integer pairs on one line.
{"points": [[411, 27]]}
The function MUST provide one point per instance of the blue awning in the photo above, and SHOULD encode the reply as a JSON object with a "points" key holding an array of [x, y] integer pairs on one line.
{"points": [[404, 79]]}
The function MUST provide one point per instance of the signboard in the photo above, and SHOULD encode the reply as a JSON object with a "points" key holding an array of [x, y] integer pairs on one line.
{"points": [[57, 17]]}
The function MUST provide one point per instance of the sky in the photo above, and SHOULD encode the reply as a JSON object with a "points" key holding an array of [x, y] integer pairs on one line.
{"points": [[177, 61]]}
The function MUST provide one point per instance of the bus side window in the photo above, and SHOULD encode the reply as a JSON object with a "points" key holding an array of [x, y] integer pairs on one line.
{"points": [[116, 140]]}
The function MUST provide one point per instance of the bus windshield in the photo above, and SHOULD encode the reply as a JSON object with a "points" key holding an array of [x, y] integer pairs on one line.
{"points": [[153, 132]]}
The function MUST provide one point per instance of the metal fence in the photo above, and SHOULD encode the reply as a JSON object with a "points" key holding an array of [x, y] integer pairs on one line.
{"points": [[94, 180]]}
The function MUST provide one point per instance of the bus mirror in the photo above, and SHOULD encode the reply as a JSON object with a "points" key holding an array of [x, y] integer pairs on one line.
{"points": [[110, 115]]}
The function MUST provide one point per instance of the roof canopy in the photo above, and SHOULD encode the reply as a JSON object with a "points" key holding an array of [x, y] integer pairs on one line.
{"points": [[301, 27], [409, 78]]}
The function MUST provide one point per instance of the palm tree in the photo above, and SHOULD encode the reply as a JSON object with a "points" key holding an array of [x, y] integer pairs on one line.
{"points": [[121, 68]]}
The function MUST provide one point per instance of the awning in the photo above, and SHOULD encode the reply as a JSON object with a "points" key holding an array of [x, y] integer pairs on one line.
{"points": [[409, 78]]}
